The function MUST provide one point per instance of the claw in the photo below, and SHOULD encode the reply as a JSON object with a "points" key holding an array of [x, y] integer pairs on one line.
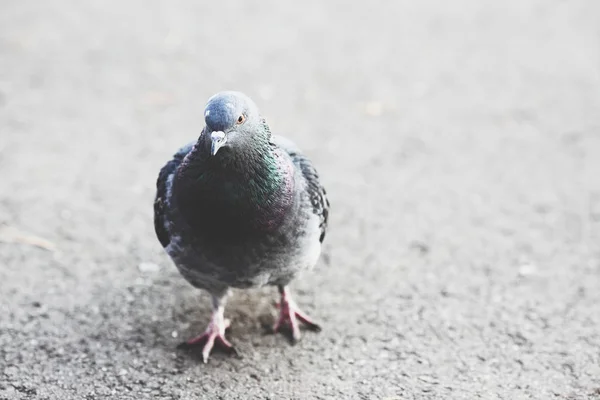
{"points": [[290, 314], [215, 333]]}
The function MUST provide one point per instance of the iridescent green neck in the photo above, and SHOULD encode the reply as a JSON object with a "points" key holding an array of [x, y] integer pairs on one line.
{"points": [[247, 188]]}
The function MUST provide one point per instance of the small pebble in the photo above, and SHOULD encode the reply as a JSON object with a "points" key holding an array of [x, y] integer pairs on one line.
{"points": [[148, 267], [374, 108], [527, 270]]}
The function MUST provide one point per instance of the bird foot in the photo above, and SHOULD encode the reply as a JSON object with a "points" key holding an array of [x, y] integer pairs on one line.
{"points": [[215, 333], [290, 314]]}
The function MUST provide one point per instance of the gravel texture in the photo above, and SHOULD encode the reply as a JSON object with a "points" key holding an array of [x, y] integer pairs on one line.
{"points": [[459, 142]]}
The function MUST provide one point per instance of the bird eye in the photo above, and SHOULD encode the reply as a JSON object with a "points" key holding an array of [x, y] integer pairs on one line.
{"points": [[241, 119]]}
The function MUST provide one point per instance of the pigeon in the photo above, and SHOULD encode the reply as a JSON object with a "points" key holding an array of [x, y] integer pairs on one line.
{"points": [[241, 208]]}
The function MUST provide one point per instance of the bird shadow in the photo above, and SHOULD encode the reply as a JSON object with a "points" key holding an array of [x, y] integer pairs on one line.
{"points": [[250, 312], [153, 319]]}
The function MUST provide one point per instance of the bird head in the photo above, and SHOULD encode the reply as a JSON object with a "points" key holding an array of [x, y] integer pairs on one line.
{"points": [[231, 118]]}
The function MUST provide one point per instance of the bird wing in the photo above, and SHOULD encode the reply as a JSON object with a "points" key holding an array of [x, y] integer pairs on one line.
{"points": [[316, 191], [162, 192]]}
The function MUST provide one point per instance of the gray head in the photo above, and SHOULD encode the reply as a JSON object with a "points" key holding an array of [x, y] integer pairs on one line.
{"points": [[230, 117]]}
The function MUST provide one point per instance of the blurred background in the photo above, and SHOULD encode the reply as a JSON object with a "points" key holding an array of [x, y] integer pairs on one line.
{"points": [[460, 146]]}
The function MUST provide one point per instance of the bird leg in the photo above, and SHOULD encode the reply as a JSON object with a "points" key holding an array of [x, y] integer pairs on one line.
{"points": [[290, 314], [215, 332]]}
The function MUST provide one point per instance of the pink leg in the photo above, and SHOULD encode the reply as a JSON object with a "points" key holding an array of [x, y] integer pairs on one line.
{"points": [[290, 314], [215, 332]]}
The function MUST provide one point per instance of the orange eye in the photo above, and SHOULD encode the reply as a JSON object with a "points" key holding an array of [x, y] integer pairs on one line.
{"points": [[241, 119]]}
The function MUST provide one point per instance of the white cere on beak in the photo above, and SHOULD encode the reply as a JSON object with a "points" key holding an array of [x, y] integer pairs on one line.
{"points": [[218, 139]]}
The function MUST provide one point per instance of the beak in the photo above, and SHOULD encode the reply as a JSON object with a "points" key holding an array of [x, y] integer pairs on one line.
{"points": [[218, 139]]}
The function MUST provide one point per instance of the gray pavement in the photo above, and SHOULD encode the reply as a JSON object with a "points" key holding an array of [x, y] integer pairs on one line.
{"points": [[460, 145]]}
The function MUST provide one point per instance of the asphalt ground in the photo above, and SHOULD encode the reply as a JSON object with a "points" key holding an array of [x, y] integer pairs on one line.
{"points": [[460, 146]]}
